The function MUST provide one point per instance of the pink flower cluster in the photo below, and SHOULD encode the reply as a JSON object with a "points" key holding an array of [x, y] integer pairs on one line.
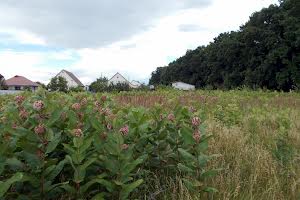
{"points": [[38, 105], [83, 101], [103, 98], [171, 117], [124, 130], [40, 129], [19, 99], [196, 121], [77, 132], [76, 106], [197, 136], [124, 146]]}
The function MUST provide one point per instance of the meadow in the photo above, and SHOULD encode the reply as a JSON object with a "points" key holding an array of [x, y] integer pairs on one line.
{"points": [[164, 144]]}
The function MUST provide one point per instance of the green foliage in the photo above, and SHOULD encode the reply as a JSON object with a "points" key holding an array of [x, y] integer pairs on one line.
{"points": [[2, 83], [74, 146], [100, 85], [58, 84], [264, 53]]}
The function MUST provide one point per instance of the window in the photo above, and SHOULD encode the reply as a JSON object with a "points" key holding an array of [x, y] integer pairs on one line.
{"points": [[17, 88]]}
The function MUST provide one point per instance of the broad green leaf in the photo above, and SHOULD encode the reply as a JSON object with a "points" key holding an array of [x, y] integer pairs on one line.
{"points": [[5, 185], [184, 168], [53, 144], [186, 155], [128, 188]]}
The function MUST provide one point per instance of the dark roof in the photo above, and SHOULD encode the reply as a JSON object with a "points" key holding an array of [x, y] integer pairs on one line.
{"points": [[20, 81], [73, 77]]}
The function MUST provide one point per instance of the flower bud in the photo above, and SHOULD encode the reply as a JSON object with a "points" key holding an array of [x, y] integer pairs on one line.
{"points": [[38, 105], [76, 106], [124, 130], [40, 129]]}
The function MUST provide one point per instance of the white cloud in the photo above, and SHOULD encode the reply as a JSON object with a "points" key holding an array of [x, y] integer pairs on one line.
{"points": [[139, 55]]}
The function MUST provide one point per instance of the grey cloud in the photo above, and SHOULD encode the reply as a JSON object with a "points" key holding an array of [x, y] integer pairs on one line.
{"points": [[190, 28], [88, 23]]}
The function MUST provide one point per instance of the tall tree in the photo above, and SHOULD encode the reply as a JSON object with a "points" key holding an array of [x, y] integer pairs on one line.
{"points": [[58, 84], [264, 53]]}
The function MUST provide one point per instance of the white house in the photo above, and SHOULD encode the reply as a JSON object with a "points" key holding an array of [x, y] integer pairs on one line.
{"points": [[183, 86], [72, 80], [118, 78], [135, 84]]}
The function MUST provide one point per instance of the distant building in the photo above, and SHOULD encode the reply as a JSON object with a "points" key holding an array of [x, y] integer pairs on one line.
{"points": [[135, 84], [20, 83], [72, 80], [118, 78], [183, 86]]}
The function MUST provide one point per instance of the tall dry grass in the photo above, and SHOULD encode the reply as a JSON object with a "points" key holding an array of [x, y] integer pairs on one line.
{"points": [[257, 137]]}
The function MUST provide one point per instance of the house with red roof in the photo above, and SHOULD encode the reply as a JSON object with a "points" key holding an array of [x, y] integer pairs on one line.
{"points": [[20, 83]]}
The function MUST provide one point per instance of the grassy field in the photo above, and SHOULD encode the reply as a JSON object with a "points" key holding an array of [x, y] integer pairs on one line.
{"points": [[255, 143]]}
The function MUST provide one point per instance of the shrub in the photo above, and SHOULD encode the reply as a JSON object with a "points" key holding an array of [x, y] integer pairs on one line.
{"points": [[55, 145]]}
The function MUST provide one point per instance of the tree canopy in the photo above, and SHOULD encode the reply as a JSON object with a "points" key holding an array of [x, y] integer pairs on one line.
{"points": [[58, 84], [263, 53]]}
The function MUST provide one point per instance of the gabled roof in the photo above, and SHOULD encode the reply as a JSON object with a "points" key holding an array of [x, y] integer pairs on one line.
{"points": [[73, 77], [119, 75], [20, 81]]}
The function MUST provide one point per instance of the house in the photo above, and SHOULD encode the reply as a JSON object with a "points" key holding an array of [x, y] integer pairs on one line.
{"points": [[118, 78], [135, 84], [183, 86], [20, 83], [72, 80]]}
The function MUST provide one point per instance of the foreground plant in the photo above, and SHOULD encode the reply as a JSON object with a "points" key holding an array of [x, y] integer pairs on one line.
{"points": [[92, 149]]}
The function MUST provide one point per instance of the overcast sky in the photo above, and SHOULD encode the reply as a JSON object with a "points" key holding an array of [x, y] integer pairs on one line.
{"points": [[101, 37]]}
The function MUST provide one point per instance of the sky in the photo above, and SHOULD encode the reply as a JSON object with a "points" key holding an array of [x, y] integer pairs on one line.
{"points": [[94, 38]]}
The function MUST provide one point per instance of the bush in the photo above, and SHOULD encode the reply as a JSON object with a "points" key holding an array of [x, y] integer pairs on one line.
{"points": [[56, 146]]}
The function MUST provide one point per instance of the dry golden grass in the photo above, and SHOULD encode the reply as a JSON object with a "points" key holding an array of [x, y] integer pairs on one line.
{"points": [[248, 139]]}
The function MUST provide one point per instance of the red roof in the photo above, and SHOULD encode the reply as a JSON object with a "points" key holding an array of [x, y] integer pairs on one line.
{"points": [[20, 81]]}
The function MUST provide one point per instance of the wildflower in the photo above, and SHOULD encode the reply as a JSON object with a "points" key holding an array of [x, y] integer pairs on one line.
{"points": [[192, 109], [14, 126], [196, 121], [77, 132], [109, 126], [83, 101], [103, 98], [38, 105], [197, 136], [124, 130], [76, 106], [106, 111], [97, 104], [171, 117], [40, 129], [19, 99], [124, 146], [23, 114]]}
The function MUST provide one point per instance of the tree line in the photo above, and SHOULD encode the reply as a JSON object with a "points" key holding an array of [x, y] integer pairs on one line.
{"points": [[263, 53]]}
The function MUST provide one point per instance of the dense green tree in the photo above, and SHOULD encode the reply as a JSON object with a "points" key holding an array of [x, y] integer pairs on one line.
{"points": [[263, 53], [100, 85], [58, 84], [2, 83]]}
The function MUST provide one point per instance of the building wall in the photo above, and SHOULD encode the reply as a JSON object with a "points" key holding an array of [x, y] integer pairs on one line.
{"points": [[183, 86], [70, 81], [21, 88]]}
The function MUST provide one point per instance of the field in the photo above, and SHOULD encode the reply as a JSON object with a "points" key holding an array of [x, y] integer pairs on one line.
{"points": [[150, 145]]}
